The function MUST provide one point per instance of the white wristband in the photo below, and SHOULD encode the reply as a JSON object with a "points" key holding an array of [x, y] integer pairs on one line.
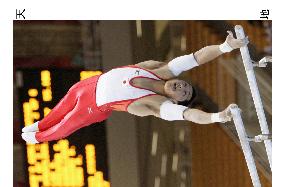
{"points": [[215, 117], [225, 47], [171, 112], [182, 63]]}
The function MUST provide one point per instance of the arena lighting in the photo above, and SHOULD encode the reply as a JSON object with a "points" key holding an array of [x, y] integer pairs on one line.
{"points": [[154, 143], [87, 74], [139, 28], [58, 164], [182, 184], [164, 165], [183, 175], [46, 82], [175, 162], [157, 182], [183, 43], [181, 135]]}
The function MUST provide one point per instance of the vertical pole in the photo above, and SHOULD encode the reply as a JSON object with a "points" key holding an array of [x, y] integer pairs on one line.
{"points": [[245, 146], [255, 92]]}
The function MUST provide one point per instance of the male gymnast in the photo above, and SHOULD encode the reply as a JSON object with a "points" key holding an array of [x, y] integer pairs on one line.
{"points": [[144, 89]]}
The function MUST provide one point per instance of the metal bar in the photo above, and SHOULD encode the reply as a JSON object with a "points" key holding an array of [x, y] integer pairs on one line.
{"points": [[245, 145], [255, 92]]}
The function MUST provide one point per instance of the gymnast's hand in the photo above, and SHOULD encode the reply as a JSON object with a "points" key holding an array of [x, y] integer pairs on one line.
{"points": [[226, 114], [236, 43]]}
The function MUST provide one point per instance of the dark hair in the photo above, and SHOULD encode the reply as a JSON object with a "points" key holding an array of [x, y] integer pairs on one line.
{"points": [[188, 103]]}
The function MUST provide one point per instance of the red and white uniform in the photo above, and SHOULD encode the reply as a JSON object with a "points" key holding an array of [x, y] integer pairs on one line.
{"points": [[116, 91], [92, 100]]}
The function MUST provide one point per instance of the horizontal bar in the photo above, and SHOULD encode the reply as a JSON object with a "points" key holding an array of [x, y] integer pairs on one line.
{"points": [[245, 145], [255, 92]]}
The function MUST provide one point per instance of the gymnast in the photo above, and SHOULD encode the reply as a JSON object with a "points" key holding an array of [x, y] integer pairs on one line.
{"points": [[144, 89]]}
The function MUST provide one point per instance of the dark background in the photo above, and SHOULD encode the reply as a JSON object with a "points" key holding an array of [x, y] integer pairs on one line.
{"points": [[61, 80]]}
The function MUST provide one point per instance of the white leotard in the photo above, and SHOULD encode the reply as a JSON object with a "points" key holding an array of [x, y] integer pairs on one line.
{"points": [[115, 85]]}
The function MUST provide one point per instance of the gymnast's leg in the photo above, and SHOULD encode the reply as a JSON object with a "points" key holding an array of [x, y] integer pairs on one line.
{"points": [[66, 104], [82, 115], [83, 111], [70, 123]]}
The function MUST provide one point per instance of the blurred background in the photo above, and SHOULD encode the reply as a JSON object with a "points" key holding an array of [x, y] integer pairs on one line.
{"points": [[129, 151]]}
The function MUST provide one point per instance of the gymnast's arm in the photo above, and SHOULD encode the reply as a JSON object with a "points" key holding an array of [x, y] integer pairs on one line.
{"points": [[184, 63], [211, 52], [151, 64], [168, 111]]}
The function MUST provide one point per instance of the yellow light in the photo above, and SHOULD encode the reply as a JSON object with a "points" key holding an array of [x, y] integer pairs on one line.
{"points": [[106, 184], [36, 115], [32, 92], [90, 159], [88, 74], [91, 181], [46, 110], [34, 103], [46, 94], [28, 119], [99, 179], [45, 78], [31, 154], [66, 168], [95, 178]]}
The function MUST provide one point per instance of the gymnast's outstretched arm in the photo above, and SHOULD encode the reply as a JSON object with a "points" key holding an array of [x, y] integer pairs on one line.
{"points": [[184, 63], [165, 109], [211, 52]]}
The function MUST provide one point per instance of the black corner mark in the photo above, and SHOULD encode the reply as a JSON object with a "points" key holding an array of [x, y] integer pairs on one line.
{"points": [[264, 13], [20, 13]]}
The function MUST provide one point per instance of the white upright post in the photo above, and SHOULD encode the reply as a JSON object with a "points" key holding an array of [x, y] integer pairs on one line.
{"points": [[255, 92], [245, 145]]}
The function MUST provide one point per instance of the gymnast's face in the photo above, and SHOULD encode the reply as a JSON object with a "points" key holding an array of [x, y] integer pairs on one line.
{"points": [[178, 90]]}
